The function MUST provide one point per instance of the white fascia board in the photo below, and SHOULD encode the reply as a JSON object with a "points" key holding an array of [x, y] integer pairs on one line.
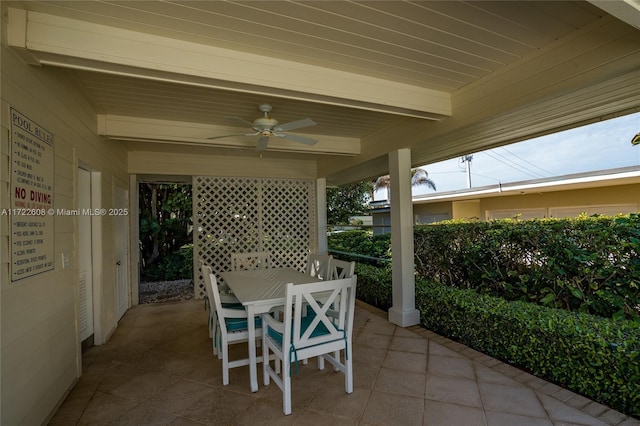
{"points": [[625, 10], [74, 41], [456, 195], [120, 127], [587, 181], [561, 184]]}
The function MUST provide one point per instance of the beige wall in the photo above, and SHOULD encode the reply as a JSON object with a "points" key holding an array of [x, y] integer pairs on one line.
{"points": [[620, 194], [466, 209], [443, 207], [40, 346], [583, 198]]}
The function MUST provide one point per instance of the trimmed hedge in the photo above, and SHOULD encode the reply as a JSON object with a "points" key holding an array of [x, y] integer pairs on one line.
{"points": [[374, 285], [361, 242], [586, 264], [593, 356]]}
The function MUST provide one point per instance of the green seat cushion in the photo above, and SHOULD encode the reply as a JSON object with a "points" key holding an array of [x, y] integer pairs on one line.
{"points": [[305, 322], [240, 324]]}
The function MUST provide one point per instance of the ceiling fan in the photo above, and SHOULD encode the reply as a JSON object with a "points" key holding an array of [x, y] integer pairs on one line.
{"points": [[266, 127]]}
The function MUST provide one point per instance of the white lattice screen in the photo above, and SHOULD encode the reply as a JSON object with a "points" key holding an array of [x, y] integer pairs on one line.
{"points": [[252, 214]]}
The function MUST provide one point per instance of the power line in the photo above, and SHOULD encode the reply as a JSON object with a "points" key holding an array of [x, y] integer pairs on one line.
{"points": [[528, 162], [486, 177], [514, 165]]}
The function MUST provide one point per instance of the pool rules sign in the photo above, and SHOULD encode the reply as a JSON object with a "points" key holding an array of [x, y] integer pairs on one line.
{"points": [[32, 214]]}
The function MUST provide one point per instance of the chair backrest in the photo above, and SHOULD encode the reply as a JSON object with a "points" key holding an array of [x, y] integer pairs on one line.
{"points": [[342, 269], [211, 285], [319, 265], [320, 312], [248, 261]]}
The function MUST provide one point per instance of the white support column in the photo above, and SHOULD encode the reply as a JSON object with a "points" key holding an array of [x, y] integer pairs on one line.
{"points": [[321, 206], [403, 312]]}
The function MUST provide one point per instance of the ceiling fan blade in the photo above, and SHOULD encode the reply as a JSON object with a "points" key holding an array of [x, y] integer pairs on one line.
{"points": [[298, 124], [301, 139], [241, 121], [235, 134], [262, 143]]}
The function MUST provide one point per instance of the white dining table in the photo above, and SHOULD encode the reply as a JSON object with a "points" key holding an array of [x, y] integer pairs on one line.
{"points": [[260, 290]]}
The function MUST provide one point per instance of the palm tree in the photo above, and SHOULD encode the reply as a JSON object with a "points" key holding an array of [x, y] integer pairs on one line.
{"points": [[418, 177]]}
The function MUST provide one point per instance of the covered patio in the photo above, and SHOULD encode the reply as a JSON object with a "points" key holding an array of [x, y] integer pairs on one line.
{"points": [[158, 369], [119, 93]]}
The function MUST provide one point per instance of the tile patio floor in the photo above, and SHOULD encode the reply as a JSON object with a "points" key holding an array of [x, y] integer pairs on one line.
{"points": [[158, 369]]}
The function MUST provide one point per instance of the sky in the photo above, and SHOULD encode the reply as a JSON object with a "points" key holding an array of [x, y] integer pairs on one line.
{"points": [[599, 146]]}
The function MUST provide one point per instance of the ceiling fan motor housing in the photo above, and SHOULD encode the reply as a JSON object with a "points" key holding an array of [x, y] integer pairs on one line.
{"points": [[265, 123]]}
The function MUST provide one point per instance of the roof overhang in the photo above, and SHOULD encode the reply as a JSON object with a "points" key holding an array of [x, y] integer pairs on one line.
{"points": [[622, 176], [46, 39]]}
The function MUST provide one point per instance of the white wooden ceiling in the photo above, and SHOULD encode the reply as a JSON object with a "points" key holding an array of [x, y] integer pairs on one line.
{"points": [[444, 46]]}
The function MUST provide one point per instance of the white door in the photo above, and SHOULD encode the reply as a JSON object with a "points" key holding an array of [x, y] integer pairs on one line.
{"points": [[85, 264], [121, 239]]}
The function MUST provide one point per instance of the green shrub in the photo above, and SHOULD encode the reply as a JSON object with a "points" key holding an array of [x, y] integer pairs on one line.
{"points": [[587, 264], [175, 266], [361, 242], [593, 356], [374, 285]]}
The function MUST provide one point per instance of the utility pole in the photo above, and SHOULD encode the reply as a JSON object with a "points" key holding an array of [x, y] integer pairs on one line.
{"points": [[467, 165]]}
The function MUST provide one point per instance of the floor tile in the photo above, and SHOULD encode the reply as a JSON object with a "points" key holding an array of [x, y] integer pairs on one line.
{"points": [[488, 375], [413, 344], [401, 382], [158, 368], [509, 419], [451, 366], [177, 398], [445, 414], [453, 390], [373, 340], [560, 412], [387, 409], [218, 407], [406, 361], [316, 418], [332, 399], [266, 412], [145, 415], [104, 408], [511, 399], [441, 350]]}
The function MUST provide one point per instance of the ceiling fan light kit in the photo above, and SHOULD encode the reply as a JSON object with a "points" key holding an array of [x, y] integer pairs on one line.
{"points": [[266, 127]]}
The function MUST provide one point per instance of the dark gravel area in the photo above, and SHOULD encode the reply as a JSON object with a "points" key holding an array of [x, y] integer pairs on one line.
{"points": [[165, 291]]}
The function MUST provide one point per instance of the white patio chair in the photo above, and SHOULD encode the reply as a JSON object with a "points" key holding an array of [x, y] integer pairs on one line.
{"points": [[248, 261], [342, 269], [318, 265], [232, 327], [339, 269], [228, 301], [321, 334]]}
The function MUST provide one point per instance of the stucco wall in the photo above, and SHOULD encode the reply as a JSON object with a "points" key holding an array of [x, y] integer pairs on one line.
{"points": [[466, 209], [41, 355], [618, 194], [579, 198], [439, 208]]}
